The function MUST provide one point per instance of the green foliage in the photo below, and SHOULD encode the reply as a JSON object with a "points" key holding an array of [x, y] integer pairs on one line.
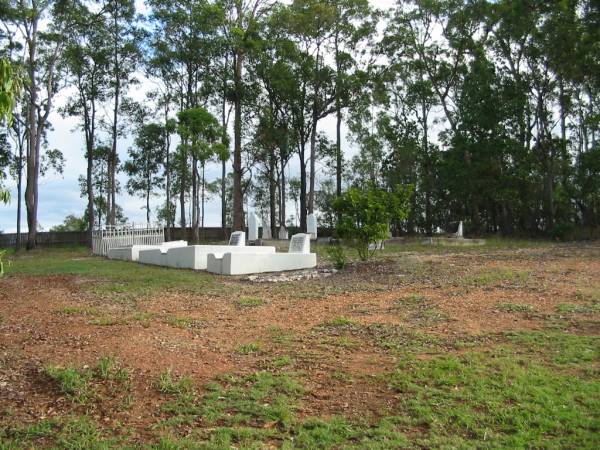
{"points": [[338, 256], [72, 223], [166, 384], [10, 88], [365, 215]]}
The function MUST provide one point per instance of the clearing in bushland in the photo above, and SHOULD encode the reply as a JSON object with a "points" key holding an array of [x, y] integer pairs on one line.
{"points": [[494, 346]]}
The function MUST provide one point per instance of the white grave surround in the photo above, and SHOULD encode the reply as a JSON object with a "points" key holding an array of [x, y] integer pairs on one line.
{"points": [[196, 256], [132, 253], [311, 226], [297, 257]]}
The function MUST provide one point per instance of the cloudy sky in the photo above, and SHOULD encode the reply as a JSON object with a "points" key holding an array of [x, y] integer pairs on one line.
{"points": [[59, 195]]}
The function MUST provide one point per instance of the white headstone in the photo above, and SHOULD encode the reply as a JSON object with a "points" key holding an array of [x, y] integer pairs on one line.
{"points": [[459, 233], [237, 239], [300, 243], [267, 232], [311, 226], [253, 224], [377, 245], [283, 234]]}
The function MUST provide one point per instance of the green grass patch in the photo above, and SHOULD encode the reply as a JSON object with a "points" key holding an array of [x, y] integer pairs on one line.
{"points": [[339, 322], [185, 322], [167, 384], [573, 308], [249, 302], [109, 277], [500, 398], [74, 383], [248, 349], [495, 277]]}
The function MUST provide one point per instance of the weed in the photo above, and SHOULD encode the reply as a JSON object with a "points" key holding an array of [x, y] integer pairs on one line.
{"points": [[72, 382], [249, 302], [248, 349], [185, 322], [166, 384], [337, 254], [339, 322]]}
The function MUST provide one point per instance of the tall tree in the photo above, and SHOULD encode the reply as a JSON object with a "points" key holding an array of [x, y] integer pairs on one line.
{"points": [[42, 26], [87, 58]]}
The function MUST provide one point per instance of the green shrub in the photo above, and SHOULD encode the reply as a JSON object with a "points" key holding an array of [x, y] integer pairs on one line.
{"points": [[338, 256], [365, 215]]}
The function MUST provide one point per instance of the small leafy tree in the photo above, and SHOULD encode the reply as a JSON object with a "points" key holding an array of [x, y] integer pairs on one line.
{"points": [[364, 215]]}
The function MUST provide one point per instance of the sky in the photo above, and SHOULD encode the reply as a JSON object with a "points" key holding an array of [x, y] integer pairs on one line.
{"points": [[59, 194]]}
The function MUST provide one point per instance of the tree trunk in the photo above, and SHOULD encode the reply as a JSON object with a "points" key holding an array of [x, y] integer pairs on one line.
{"points": [[19, 193], [302, 211], [282, 210], [195, 234], [168, 172], [272, 191], [33, 157], [338, 125], [113, 159], [238, 197], [313, 149]]}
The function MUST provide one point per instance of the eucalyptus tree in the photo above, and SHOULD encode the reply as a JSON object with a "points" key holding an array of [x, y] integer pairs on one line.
{"points": [[86, 59], [185, 45], [42, 28], [201, 133], [354, 26], [145, 162], [124, 37], [240, 30]]}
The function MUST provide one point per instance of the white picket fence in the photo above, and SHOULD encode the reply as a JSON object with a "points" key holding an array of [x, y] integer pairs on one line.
{"points": [[124, 236]]}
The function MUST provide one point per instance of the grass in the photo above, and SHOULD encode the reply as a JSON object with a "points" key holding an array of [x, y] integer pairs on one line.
{"points": [[72, 382], [109, 277], [248, 349], [249, 302], [166, 384], [507, 400], [500, 276]]}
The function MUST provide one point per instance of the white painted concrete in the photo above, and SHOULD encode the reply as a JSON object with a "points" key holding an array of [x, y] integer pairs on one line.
{"points": [[132, 253], [196, 256], [240, 263], [254, 223], [311, 226], [297, 257]]}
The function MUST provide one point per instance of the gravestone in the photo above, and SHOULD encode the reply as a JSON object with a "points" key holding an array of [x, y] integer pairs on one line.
{"points": [[283, 234], [311, 226], [459, 232], [237, 239], [377, 245], [253, 224], [300, 243], [266, 234]]}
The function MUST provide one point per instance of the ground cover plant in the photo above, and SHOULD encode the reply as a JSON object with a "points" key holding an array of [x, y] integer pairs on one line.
{"points": [[495, 346]]}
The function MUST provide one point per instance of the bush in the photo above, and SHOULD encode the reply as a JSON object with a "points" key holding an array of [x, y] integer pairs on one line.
{"points": [[562, 231], [364, 215], [338, 256]]}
